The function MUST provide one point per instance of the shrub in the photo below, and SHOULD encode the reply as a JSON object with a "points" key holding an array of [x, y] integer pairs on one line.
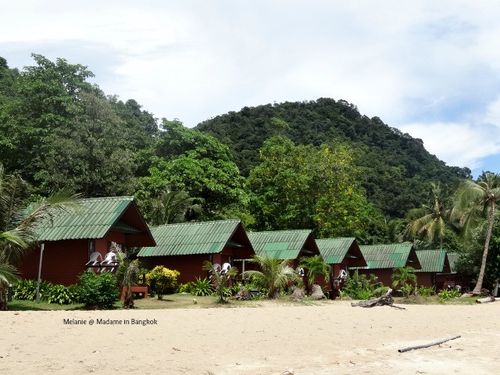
{"points": [[359, 286], [445, 295], [201, 287], [185, 288], [59, 294], [162, 280], [99, 291], [76, 291], [26, 290], [426, 292]]}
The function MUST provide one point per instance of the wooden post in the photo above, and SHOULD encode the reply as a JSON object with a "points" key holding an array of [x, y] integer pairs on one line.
{"points": [[39, 281]]}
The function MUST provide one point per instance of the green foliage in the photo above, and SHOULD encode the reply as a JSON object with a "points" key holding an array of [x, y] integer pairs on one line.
{"points": [[425, 292], [197, 164], [220, 280], [395, 168], [361, 286], [201, 287], [446, 295], [433, 219], [274, 275], [307, 187], [26, 289], [476, 202], [405, 279], [60, 294], [316, 267], [52, 293], [99, 291], [162, 280]]}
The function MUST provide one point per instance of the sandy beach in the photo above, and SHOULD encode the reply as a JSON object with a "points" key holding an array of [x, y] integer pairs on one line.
{"points": [[330, 338]]}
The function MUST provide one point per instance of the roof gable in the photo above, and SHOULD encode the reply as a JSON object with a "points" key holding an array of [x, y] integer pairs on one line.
{"points": [[92, 219], [432, 260], [209, 237], [334, 250], [281, 244], [390, 256]]}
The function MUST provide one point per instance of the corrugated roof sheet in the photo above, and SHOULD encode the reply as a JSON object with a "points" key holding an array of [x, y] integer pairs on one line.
{"points": [[91, 219], [386, 256], [280, 244], [334, 250], [431, 260], [453, 259], [207, 237]]}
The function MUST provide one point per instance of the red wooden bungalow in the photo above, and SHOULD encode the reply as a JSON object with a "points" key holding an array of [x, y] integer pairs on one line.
{"points": [[341, 253], [185, 247], [67, 240], [284, 244], [381, 260], [433, 262], [452, 278]]}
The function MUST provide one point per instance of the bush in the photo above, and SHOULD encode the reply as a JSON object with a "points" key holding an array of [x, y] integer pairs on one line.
{"points": [[445, 295], [59, 294], [99, 291], [359, 286], [52, 293], [162, 280], [201, 287], [426, 292]]}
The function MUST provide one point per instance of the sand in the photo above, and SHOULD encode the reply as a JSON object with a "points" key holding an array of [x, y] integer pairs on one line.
{"points": [[330, 338]]}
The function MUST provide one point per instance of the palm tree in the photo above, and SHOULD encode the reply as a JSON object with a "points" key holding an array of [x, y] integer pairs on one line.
{"points": [[432, 223], [274, 274], [172, 207], [130, 278], [474, 200], [17, 225], [220, 279], [405, 279], [316, 267]]}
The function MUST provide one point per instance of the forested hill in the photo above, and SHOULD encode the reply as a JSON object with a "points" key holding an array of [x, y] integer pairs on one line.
{"points": [[396, 168]]}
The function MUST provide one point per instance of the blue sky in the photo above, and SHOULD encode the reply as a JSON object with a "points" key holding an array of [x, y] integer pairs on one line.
{"points": [[431, 69]]}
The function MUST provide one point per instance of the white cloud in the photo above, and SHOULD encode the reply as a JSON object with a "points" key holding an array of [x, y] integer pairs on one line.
{"points": [[456, 143], [434, 65]]}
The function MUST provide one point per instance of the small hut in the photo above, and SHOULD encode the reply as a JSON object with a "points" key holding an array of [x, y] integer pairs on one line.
{"points": [[381, 260], [186, 246], [67, 240], [341, 253], [284, 244], [433, 262]]}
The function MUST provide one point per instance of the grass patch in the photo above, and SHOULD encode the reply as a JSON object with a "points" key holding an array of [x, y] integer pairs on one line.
{"points": [[434, 300], [23, 305]]}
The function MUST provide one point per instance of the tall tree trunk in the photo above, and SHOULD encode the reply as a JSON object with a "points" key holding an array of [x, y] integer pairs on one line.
{"points": [[491, 219]]}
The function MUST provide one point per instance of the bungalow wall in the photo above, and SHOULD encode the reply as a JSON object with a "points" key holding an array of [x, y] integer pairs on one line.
{"points": [[384, 275], [64, 261], [191, 266], [426, 279]]}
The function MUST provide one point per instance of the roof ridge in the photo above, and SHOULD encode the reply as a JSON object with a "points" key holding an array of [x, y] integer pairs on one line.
{"points": [[197, 223], [282, 230]]}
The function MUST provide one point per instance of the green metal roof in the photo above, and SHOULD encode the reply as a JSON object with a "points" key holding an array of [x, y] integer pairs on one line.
{"points": [[92, 218], [453, 259], [386, 256], [431, 260], [334, 250], [207, 237], [280, 244]]}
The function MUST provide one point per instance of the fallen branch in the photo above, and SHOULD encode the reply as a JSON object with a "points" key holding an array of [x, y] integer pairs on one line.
{"points": [[487, 299], [385, 300], [427, 345]]}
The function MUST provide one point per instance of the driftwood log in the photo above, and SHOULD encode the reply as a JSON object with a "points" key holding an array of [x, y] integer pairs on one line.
{"points": [[385, 300], [487, 299], [427, 345]]}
